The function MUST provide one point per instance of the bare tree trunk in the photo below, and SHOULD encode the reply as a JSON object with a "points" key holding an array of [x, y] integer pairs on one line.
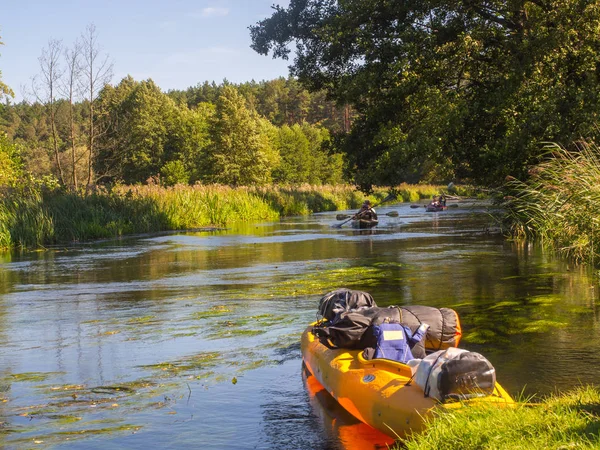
{"points": [[91, 139], [45, 89], [97, 73], [72, 59], [347, 118]]}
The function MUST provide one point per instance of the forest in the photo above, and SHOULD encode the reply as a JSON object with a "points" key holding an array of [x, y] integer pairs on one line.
{"points": [[76, 136], [379, 93], [209, 134]]}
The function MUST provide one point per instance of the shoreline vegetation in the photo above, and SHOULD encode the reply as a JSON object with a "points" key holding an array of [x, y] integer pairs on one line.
{"points": [[558, 204], [34, 217], [568, 420]]}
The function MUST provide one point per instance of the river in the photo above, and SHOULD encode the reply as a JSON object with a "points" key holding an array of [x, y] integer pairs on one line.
{"points": [[191, 340]]}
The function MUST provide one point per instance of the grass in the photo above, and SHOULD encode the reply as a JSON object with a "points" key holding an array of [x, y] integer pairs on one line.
{"points": [[558, 204], [33, 218], [564, 421]]}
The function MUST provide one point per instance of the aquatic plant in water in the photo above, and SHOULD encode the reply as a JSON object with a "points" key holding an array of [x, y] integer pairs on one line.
{"points": [[72, 412]]}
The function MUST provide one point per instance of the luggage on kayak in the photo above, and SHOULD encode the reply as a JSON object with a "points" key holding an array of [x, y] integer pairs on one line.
{"points": [[379, 315], [347, 332], [334, 303], [444, 325], [394, 341], [444, 331], [455, 374]]}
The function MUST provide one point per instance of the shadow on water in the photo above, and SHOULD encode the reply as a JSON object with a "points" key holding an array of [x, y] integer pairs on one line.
{"points": [[131, 343]]}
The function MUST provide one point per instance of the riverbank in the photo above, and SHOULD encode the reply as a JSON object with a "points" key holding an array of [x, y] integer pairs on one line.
{"points": [[32, 218], [569, 420], [558, 204]]}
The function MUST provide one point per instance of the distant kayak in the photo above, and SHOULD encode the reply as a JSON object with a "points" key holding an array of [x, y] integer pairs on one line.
{"points": [[432, 208], [364, 223]]}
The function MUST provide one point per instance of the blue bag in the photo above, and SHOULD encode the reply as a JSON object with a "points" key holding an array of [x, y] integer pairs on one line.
{"points": [[394, 341]]}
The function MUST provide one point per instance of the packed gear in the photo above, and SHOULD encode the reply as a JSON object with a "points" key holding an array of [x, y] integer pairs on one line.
{"points": [[455, 374], [408, 352], [347, 314], [333, 304], [394, 341]]}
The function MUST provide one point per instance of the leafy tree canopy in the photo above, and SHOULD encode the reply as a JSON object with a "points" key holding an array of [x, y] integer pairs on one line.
{"points": [[446, 88], [241, 152], [11, 166], [4, 89]]}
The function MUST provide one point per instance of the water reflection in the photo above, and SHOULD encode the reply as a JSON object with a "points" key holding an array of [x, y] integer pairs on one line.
{"points": [[344, 432], [169, 327]]}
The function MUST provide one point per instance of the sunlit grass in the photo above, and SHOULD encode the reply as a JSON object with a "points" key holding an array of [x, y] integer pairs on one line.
{"points": [[569, 420], [33, 218]]}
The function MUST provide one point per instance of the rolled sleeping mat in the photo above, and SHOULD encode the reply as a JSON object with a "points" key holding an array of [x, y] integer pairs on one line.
{"points": [[444, 325]]}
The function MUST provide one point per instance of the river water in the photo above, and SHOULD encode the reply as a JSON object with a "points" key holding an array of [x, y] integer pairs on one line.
{"points": [[191, 340]]}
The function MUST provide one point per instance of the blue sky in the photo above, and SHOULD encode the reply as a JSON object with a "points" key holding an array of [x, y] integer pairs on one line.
{"points": [[177, 43]]}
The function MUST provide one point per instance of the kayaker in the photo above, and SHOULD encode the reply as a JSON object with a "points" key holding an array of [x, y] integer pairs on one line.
{"points": [[366, 212]]}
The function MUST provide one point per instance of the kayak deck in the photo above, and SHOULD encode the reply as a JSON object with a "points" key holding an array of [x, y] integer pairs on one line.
{"points": [[363, 223]]}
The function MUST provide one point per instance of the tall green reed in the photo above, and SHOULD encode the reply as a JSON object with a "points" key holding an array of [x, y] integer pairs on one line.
{"points": [[37, 217], [559, 203], [24, 221]]}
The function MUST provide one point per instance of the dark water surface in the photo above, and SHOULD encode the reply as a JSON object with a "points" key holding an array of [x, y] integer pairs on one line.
{"points": [[192, 340]]}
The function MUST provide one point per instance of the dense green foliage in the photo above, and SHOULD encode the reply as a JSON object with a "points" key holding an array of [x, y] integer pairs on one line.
{"points": [[241, 152], [11, 166], [558, 203], [135, 133], [570, 420], [220, 136], [446, 89]]}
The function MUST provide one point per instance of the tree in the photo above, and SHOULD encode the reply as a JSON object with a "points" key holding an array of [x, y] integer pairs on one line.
{"points": [[11, 166], [462, 86], [174, 172], [139, 119], [5, 91], [296, 159], [326, 166], [72, 76], [113, 116], [190, 138], [45, 87], [241, 152], [97, 72]]}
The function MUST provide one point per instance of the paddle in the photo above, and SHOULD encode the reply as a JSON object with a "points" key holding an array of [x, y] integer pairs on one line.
{"points": [[355, 216], [345, 216]]}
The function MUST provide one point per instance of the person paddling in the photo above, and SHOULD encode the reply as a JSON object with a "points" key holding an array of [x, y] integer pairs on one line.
{"points": [[366, 212]]}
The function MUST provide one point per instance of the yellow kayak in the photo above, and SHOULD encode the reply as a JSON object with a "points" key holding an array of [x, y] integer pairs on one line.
{"points": [[377, 392]]}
